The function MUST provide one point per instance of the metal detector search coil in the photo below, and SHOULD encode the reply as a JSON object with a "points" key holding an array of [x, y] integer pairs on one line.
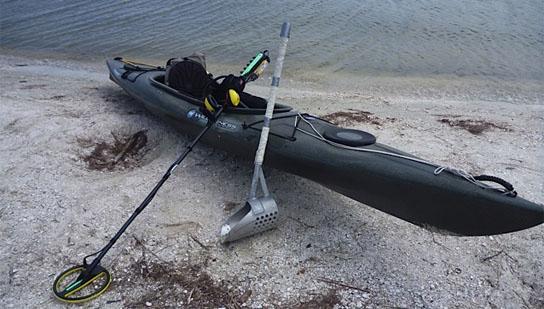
{"points": [[86, 286]]}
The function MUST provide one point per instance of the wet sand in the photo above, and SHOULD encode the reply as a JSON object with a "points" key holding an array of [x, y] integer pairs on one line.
{"points": [[329, 251]]}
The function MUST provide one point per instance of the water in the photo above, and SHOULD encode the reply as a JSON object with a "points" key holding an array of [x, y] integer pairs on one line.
{"points": [[499, 39]]}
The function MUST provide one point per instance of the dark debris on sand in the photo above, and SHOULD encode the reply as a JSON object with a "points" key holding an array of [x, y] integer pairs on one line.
{"points": [[474, 126], [187, 284], [122, 152], [168, 284], [346, 118]]}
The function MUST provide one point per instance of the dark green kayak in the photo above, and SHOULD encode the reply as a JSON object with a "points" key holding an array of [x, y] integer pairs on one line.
{"points": [[347, 161]]}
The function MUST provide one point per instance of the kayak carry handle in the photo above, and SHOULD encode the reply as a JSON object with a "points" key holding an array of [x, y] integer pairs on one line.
{"points": [[508, 186]]}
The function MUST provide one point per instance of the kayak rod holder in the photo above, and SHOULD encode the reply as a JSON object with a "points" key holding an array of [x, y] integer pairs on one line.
{"points": [[259, 214]]}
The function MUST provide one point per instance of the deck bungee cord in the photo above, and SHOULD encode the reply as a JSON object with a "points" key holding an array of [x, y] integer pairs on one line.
{"points": [[135, 66], [476, 180], [507, 189]]}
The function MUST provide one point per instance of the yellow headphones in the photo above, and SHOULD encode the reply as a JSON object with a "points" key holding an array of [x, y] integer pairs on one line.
{"points": [[232, 98]]}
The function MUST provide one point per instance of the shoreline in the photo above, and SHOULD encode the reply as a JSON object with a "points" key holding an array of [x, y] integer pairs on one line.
{"points": [[54, 113], [431, 86]]}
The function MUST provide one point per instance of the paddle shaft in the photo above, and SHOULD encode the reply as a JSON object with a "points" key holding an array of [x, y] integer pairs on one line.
{"points": [[151, 195], [259, 156]]}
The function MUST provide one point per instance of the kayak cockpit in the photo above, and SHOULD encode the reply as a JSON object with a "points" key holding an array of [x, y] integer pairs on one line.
{"points": [[253, 107]]}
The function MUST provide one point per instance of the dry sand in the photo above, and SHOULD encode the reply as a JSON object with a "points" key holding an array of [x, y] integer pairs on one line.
{"points": [[329, 251]]}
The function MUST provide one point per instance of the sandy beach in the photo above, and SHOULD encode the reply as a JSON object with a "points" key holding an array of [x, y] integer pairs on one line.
{"points": [[60, 202]]}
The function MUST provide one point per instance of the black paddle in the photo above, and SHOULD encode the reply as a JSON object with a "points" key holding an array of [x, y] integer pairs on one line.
{"points": [[88, 281]]}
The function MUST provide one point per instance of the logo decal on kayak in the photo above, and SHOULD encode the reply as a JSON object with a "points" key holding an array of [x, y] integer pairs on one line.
{"points": [[226, 125], [193, 114]]}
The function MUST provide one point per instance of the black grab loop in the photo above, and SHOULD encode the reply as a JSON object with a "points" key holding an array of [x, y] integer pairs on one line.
{"points": [[76, 285], [508, 186]]}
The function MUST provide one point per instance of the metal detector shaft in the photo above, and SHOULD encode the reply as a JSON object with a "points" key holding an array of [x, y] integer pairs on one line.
{"points": [[151, 195], [259, 156]]}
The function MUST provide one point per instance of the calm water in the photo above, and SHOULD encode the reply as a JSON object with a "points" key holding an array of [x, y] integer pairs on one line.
{"points": [[503, 39]]}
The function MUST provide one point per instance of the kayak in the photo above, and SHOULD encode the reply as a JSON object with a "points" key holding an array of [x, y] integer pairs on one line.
{"points": [[350, 162]]}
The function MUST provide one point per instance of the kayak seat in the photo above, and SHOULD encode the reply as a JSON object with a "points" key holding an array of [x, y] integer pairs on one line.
{"points": [[349, 137], [191, 78]]}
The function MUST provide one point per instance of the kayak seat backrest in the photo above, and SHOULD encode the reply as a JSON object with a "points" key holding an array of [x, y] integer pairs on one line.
{"points": [[349, 137], [189, 77]]}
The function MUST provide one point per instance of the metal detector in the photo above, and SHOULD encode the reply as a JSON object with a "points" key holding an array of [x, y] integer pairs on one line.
{"points": [[87, 281]]}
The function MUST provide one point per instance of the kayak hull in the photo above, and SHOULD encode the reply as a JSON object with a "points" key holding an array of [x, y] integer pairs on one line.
{"points": [[407, 189]]}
